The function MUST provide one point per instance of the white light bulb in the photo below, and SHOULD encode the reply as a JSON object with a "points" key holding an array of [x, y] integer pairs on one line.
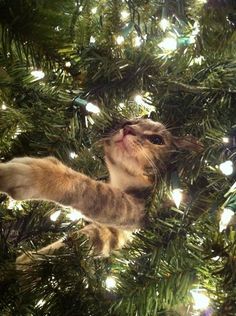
{"points": [[137, 41], [90, 107], [94, 10], [68, 64], [38, 74], [227, 167], [168, 43], [73, 155], [18, 132], [54, 216], [124, 14], [17, 204], [4, 107], [225, 218], [75, 215], [122, 105], [40, 303], [177, 196], [110, 282], [164, 24], [92, 40], [120, 39], [201, 301], [225, 139], [138, 99], [197, 60]]}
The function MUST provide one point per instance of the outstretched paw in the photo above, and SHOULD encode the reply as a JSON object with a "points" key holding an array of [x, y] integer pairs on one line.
{"points": [[26, 178]]}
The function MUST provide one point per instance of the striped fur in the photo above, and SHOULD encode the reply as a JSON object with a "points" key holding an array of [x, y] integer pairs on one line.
{"points": [[115, 208]]}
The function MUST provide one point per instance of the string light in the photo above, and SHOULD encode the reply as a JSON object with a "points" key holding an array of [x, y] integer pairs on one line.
{"points": [[197, 60], [226, 217], [13, 204], [110, 282], [92, 40], [73, 155], [40, 303], [90, 107], [75, 215], [227, 167], [138, 99], [18, 132], [124, 15], [177, 196], [225, 140], [68, 64], [137, 41], [4, 107], [94, 10], [195, 32], [38, 74], [54, 216], [121, 105], [120, 39], [164, 24], [168, 44], [201, 300]]}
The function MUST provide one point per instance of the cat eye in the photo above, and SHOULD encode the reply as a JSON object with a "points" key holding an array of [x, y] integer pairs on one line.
{"points": [[156, 139]]}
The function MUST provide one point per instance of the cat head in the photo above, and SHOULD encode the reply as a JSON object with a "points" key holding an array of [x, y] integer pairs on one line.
{"points": [[142, 147]]}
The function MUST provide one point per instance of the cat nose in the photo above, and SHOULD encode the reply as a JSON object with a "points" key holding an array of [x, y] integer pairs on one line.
{"points": [[128, 130]]}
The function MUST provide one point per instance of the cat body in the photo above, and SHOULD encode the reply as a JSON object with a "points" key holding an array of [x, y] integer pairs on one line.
{"points": [[135, 155]]}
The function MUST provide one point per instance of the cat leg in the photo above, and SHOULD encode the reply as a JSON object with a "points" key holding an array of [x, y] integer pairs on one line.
{"points": [[103, 240], [28, 257], [49, 179]]}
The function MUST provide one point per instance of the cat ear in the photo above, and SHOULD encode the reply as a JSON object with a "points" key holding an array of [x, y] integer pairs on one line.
{"points": [[188, 142]]}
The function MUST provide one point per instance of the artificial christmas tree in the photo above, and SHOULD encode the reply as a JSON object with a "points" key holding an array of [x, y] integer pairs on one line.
{"points": [[68, 72]]}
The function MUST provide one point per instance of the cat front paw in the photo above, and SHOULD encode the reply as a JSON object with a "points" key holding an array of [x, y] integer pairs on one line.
{"points": [[16, 179], [25, 178]]}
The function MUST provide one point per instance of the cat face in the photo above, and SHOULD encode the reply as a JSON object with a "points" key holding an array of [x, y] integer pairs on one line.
{"points": [[140, 146]]}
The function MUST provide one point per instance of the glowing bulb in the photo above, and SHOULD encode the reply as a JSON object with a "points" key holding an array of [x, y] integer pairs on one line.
{"points": [[90, 107], [110, 282], [226, 167], [226, 217], [38, 74], [201, 301], [73, 155], [164, 24], [92, 40], [124, 14], [137, 41], [120, 39], [94, 10], [138, 99], [54, 216], [177, 196], [197, 60], [12, 204], [75, 215], [4, 107], [122, 105], [40, 303], [169, 43], [225, 139], [68, 64]]}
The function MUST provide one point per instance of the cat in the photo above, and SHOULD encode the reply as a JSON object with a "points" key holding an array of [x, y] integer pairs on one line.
{"points": [[136, 154]]}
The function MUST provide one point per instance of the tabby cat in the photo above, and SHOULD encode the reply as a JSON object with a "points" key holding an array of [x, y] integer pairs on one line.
{"points": [[135, 154]]}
